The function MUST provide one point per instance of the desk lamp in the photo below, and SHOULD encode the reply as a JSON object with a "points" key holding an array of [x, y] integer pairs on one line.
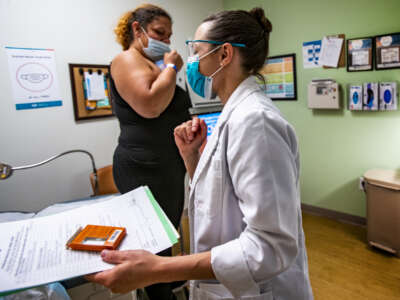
{"points": [[7, 170]]}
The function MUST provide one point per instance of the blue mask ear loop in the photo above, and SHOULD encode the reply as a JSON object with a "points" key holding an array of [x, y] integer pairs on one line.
{"points": [[219, 69], [140, 41], [204, 55], [148, 38], [211, 77], [209, 52]]}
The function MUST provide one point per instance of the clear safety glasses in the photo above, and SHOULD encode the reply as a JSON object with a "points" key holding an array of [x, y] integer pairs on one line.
{"points": [[192, 49]]}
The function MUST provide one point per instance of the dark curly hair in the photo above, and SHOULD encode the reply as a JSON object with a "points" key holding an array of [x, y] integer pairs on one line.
{"points": [[251, 28], [144, 14]]}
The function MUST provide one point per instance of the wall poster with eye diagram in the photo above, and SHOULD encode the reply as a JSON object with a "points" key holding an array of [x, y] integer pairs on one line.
{"points": [[33, 77]]}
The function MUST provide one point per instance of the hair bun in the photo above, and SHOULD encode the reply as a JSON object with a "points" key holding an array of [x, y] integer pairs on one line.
{"points": [[258, 14]]}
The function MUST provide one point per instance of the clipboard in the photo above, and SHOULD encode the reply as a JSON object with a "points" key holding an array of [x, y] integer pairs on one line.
{"points": [[342, 60]]}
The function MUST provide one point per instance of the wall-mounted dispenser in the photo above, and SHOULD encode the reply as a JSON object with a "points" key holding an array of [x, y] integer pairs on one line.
{"points": [[370, 99], [387, 96], [356, 97]]}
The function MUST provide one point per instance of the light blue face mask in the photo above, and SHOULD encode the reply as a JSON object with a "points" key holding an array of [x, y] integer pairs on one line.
{"points": [[155, 49], [201, 84]]}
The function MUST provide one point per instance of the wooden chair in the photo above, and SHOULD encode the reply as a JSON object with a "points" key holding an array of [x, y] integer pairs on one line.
{"points": [[105, 182]]}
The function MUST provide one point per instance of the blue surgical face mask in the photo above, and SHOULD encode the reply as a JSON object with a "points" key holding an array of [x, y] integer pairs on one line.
{"points": [[200, 84], [155, 49]]}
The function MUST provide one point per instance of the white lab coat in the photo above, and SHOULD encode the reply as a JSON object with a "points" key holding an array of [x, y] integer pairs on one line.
{"points": [[244, 204]]}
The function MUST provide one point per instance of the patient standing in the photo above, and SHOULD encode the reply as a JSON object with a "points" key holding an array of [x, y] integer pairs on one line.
{"points": [[149, 105]]}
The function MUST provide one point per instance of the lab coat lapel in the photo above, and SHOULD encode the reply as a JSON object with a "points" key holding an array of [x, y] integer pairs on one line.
{"points": [[245, 88]]}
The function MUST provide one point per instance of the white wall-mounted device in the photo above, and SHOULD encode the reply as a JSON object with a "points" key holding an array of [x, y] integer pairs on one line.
{"points": [[323, 94]]}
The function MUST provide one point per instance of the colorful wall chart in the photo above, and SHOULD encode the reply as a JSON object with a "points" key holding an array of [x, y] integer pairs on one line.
{"points": [[280, 75]]}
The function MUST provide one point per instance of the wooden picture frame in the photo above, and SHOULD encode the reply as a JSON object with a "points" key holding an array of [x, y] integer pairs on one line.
{"points": [[84, 108], [280, 75], [387, 51], [360, 54]]}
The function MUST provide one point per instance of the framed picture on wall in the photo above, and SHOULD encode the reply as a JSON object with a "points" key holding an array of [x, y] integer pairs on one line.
{"points": [[279, 73], [387, 51], [90, 86], [360, 54]]}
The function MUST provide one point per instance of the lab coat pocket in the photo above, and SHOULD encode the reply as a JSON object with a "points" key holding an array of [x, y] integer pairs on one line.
{"points": [[202, 294], [263, 296], [206, 294], [209, 194]]}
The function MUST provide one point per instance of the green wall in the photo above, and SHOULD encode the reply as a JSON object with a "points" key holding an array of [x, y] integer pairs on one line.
{"points": [[336, 147]]}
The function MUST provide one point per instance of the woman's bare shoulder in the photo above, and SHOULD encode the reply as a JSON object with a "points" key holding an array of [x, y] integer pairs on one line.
{"points": [[132, 62], [128, 58]]}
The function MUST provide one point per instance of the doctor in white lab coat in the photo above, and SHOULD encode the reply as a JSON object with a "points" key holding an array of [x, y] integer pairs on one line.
{"points": [[244, 206]]}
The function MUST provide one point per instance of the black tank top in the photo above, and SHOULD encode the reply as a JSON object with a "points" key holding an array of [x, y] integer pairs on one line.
{"points": [[156, 134]]}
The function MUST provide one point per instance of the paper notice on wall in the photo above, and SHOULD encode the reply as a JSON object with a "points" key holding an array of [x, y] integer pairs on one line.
{"points": [[33, 77], [95, 86], [311, 54], [360, 58], [330, 51], [390, 55]]}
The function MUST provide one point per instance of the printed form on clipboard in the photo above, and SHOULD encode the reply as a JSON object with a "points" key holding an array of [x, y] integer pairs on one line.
{"points": [[331, 51], [33, 252]]}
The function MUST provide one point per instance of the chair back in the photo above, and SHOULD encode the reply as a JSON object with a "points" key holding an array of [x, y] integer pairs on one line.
{"points": [[105, 181]]}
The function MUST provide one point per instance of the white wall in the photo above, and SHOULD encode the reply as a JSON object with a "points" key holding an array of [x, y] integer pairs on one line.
{"points": [[80, 31]]}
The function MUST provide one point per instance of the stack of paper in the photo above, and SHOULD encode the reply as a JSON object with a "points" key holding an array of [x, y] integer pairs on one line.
{"points": [[33, 252], [95, 88]]}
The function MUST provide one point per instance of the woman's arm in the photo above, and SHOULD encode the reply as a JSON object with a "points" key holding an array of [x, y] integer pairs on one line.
{"points": [[147, 91], [137, 268]]}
